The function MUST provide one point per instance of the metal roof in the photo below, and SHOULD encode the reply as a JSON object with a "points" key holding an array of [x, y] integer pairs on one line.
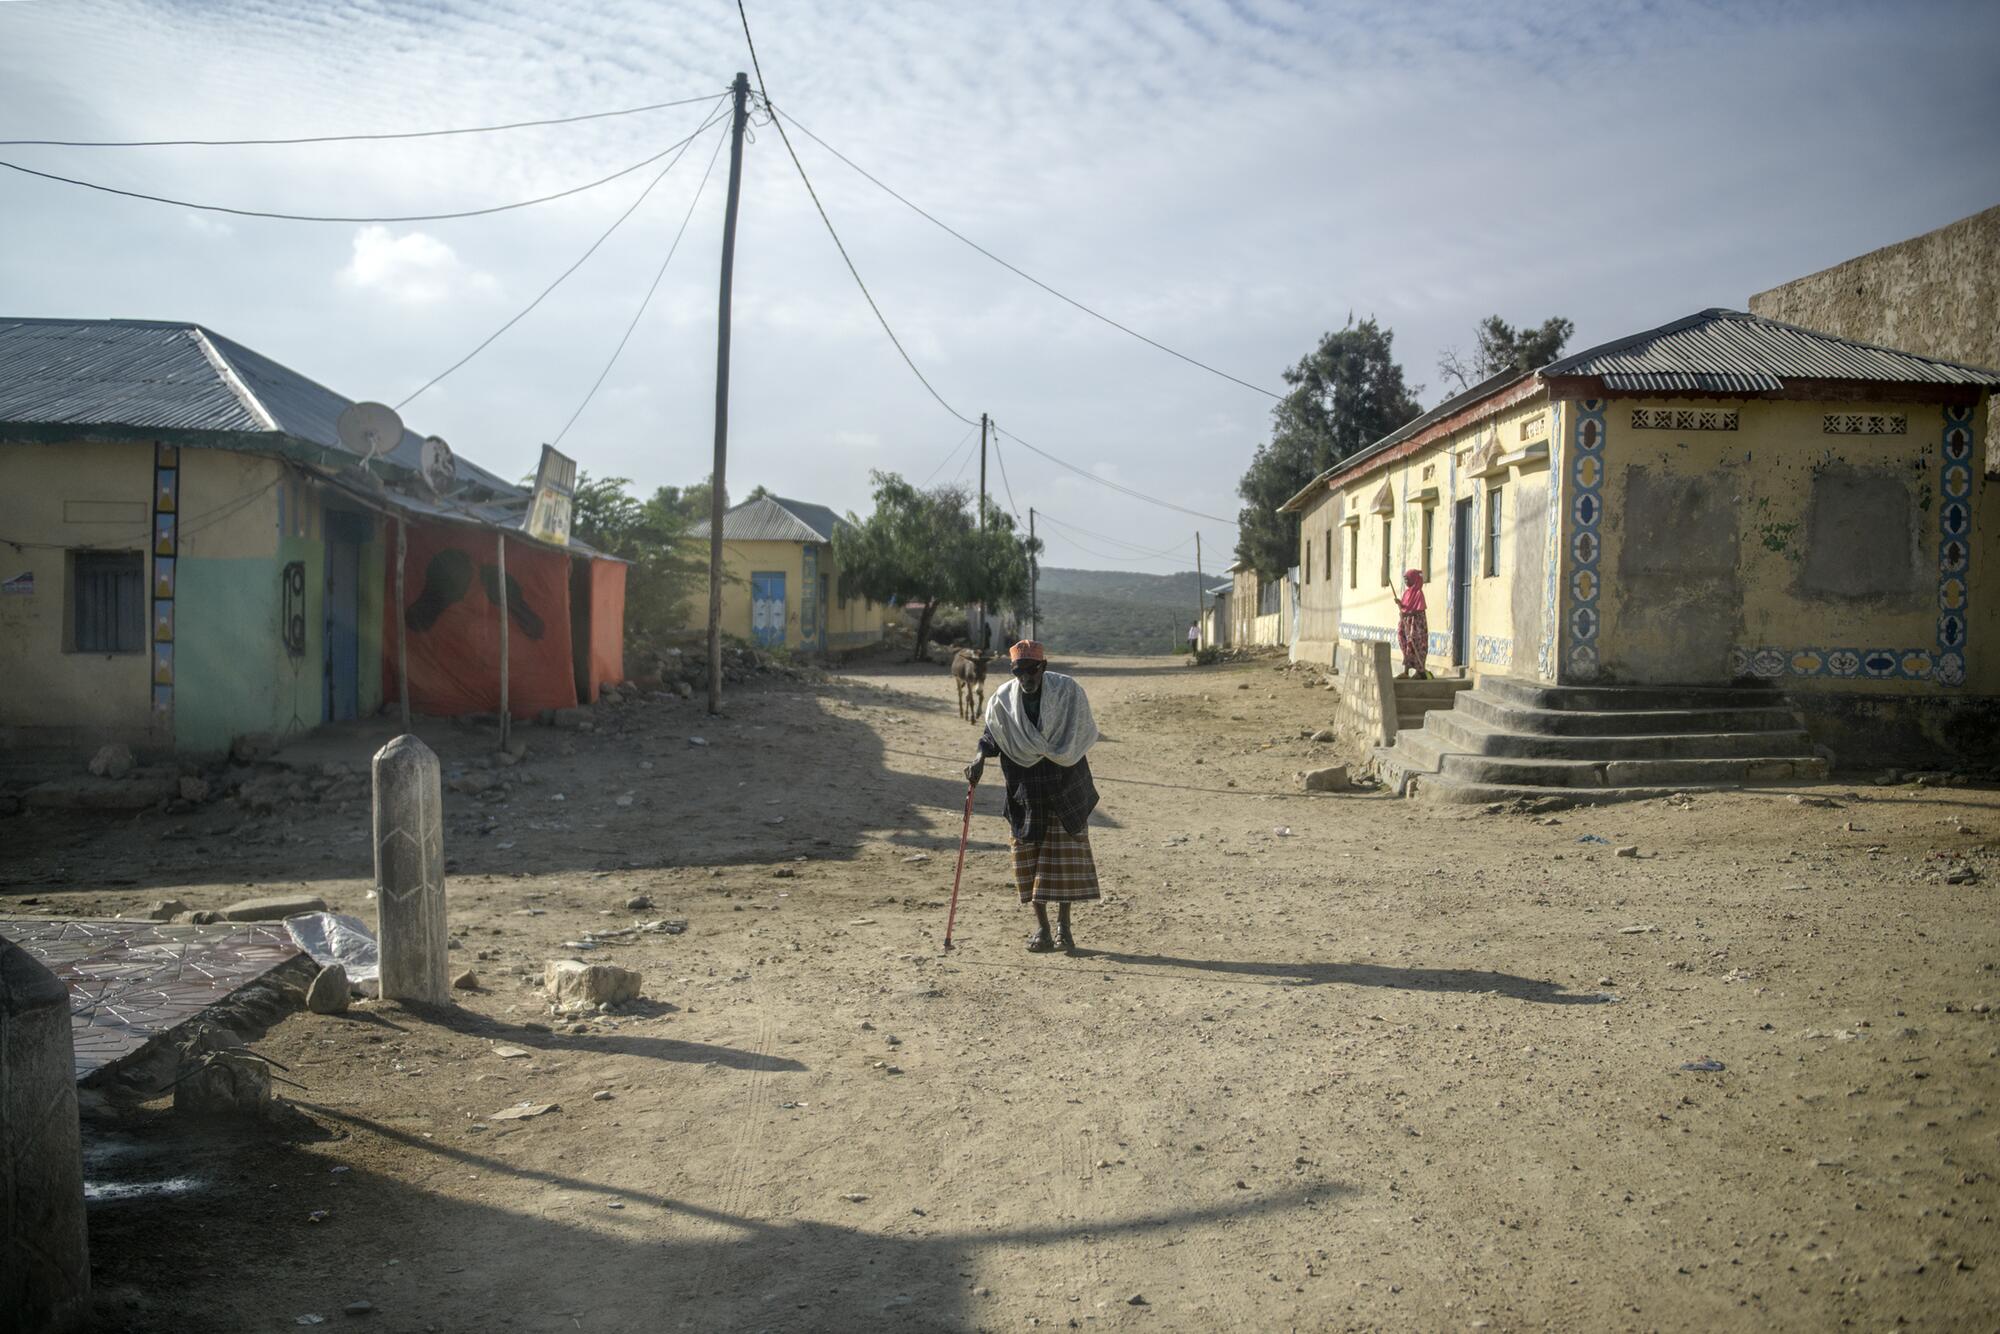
{"points": [[1729, 351], [155, 375], [775, 519]]}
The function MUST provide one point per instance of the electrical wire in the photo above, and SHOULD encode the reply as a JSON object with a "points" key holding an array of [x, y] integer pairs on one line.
{"points": [[952, 455], [1012, 508], [713, 119], [786, 139], [346, 138], [1115, 486], [1134, 547], [185, 527], [637, 314], [1014, 269], [317, 217], [1105, 555]]}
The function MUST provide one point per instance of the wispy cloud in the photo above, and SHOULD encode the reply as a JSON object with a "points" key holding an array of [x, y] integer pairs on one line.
{"points": [[411, 269]]}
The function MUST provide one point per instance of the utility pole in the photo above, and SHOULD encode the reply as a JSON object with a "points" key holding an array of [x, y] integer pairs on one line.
{"points": [[1034, 581], [1199, 599], [983, 641], [717, 483]]}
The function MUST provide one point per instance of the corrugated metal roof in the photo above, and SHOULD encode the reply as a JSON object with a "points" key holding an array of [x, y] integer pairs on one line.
{"points": [[160, 375], [1730, 351], [772, 519]]}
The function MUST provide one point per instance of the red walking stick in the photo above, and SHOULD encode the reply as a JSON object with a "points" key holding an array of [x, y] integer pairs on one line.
{"points": [[964, 831]]}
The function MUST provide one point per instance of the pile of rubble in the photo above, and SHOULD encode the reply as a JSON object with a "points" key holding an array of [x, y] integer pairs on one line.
{"points": [[684, 671]]}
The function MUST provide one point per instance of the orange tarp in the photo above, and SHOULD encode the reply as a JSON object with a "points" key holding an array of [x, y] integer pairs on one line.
{"points": [[452, 615], [607, 624]]}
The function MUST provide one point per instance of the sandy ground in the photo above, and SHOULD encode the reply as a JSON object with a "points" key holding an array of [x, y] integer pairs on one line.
{"points": [[1328, 1062]]}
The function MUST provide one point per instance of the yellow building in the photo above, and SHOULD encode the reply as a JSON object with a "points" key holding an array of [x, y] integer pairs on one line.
{"points": [[781, 584], [1722, 499]]}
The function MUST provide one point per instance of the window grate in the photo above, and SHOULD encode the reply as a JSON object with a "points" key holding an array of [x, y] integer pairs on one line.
{"points": [[109, 598]]}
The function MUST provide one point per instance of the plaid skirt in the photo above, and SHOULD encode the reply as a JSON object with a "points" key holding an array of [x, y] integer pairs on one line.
{"points": [[1059, 869]]}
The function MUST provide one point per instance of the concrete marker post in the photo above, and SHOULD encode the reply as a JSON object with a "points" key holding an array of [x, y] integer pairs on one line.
{"points": [[44, 1246], [409, 873]]}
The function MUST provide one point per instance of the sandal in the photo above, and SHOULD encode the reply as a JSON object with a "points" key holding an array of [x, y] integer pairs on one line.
{"points": [[1040, 943], [1066, 942]]}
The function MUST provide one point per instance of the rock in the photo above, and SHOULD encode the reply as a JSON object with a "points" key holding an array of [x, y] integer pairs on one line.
{"points": [[684, 690], [466, 981], [100, 794], [1325, 734], [522, 1111], [1136, 1299], [194, 789], [165, 910], [330, 991], [1961, 875], [570, 982], [1822, 803], [198, 917], [474, 783], [362, 1307], [273, 909], [639, 902], [1629, 850], [113, 761], [574, 716], [252, 747], [602, 1095], [1332, 778]]}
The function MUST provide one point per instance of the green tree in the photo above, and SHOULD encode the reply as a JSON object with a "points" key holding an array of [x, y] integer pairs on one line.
{"points": [[663, 575], [1346, 394], [1498, 346], [926, 546]]}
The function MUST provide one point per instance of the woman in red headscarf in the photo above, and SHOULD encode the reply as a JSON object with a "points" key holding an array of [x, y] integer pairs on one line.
{"points": [[1413, 628]]}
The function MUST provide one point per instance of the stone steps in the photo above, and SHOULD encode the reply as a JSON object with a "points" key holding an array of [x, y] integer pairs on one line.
{"points": [[1508, 738]]}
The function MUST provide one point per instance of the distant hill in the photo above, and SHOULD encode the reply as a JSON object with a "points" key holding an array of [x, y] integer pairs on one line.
{"points": [[1111, 611]]}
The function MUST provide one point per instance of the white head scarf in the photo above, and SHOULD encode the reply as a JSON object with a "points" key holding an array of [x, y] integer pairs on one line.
{"points": [[1066, 730]]}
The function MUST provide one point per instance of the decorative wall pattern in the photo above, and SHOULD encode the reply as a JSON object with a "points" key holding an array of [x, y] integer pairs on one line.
{"points": [[1493, 650], [166, 552], [1586, 512], [1946, 663], [1864, 423], [1349, 630], [1552, 561], [1535, 427], [1684, 419]]}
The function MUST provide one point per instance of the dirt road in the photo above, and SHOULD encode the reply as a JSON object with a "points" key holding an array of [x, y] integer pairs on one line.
{"points": [[1327, 1062]]}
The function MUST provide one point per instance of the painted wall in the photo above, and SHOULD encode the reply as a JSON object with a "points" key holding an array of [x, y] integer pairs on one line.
{"points": [[1322, 574], [1506, 454], [1814, 543], [54, 498], [1937, 294], [853, 625]]}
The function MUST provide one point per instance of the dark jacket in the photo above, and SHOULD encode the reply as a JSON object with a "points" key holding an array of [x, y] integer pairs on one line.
{"points": [[1043, 791]]}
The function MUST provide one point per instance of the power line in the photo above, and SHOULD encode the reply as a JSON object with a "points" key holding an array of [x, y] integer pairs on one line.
{"points": [[1012, 508], [952, 455], [1105, 555], [346, 138], [1017, 271], [1115, 541], [657, 276], [765, 94], [606, 235], [1115, 486], [317, 217]]}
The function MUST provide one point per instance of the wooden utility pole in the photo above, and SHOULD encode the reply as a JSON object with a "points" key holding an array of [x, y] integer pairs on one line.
{"points": [[982, 640], [1034, 582], [717, 484], [506, 706], [402, 628], [1199, 608]]}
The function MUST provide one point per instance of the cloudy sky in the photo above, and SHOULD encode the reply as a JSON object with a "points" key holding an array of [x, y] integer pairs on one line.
{"points": [[1230, 177]]}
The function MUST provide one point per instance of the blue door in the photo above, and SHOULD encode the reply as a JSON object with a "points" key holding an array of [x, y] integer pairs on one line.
{"points": [[767, 608], [344, 534]]}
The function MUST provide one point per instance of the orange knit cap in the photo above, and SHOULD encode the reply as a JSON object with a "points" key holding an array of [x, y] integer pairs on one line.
{"points": [[1027, 650]]}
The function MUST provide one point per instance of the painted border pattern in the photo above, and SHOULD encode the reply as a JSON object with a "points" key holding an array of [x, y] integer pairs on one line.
{"points": [[1946, 664], [1493, 650], [1552, 559], [166, 554], [1586, 546]]}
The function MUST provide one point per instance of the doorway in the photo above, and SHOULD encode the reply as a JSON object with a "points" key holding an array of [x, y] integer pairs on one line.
{"points": [[342, 691], [1461, 581], [767, 608]]}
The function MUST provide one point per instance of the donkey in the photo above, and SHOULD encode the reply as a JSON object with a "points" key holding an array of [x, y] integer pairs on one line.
{"points": [[968, 671]]}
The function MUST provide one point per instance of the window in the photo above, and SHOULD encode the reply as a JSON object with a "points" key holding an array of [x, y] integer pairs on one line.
{"points": [[1329, 553], [1306, 563], [1386, 530], [1430, 514], [1354, 556], [108, 602], [1493, 532]]}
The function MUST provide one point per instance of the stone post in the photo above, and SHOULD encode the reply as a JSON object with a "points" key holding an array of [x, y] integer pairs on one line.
{"points": [[44, 1252], [409, 873]]}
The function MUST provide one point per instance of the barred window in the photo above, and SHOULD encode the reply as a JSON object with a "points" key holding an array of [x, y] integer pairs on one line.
{"points": [[108, 601]]}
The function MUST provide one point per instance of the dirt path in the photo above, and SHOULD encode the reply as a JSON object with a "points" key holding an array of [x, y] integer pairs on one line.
{"points": [[1400, 1067]]}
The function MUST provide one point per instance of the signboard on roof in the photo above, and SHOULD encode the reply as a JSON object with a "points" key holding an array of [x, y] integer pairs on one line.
{"points": [[555, 493]]}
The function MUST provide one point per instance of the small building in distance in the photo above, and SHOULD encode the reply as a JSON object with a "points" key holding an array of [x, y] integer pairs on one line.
{"points": [[781, 583], [1722, 499], [190, 554]]}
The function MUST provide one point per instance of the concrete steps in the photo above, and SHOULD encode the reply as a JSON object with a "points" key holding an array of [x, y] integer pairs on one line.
{"points": [[1507, 738], [1416, 699]]}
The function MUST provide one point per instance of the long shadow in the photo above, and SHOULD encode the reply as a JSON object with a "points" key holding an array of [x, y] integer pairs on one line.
{"points": [[530, 1249], [1471, 981], [617, 1044]]}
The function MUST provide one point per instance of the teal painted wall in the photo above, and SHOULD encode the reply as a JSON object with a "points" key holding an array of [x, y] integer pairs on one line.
{"points": [[232, 674]]}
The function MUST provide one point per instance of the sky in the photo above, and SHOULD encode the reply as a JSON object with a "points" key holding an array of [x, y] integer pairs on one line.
{"points": [[1232, 178]]}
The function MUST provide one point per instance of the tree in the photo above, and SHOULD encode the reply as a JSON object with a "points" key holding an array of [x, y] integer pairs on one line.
{"points": [[1498, 346], [662, 576], [1346, 394], [926, 546]]}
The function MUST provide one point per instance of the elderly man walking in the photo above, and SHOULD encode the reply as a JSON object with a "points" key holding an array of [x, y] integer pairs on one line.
{"points": [[1039, 724]]}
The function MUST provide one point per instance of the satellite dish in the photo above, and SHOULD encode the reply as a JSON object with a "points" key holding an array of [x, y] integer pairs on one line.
{"points": [[438, 465], [369, 429]]}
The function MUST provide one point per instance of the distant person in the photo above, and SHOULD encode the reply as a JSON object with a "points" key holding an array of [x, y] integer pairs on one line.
{"points": [[1039, 724], [1413, 627], [1194, 636]]}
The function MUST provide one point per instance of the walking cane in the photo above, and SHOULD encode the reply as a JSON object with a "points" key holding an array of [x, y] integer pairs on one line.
{"points": [[964, 830]]}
